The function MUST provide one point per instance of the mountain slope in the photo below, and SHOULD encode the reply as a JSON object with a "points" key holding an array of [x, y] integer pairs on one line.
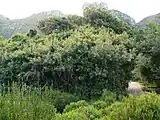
{"points": [[152, 18], [10, 27], [42, 15], [4, 19], [123, 16]]}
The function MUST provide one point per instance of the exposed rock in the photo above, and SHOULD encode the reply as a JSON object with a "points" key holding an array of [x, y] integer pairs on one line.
{"points": [[152, 18], [134, 88], [9, 27], [4, 19], [123, 16]]}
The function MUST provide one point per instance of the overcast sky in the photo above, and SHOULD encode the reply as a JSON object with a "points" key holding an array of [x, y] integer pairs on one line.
{"points": [[138, 9]]}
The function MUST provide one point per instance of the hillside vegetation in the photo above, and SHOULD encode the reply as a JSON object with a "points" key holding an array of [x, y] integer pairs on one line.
{"points": [[153, 18], [79, 68], [9, 27]]}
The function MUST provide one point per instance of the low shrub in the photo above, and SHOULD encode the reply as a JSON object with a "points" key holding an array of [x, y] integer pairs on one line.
{"points": [[28, 103], [62, 100], [144, 107], [75, 105], [18, 105], [18, 37], [100, 104], [58, 99], [47, 95], [109, 97], [82, 113]]}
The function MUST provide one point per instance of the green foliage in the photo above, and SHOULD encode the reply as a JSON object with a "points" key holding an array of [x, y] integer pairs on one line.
{"points": [[100, 104], [75, 105], [60, 100], [84, 64], [147, 62], [47, 95], [1, 38], [103, 18], [76, 20], [32, 33], [96, 15], [18, 37], [55, 24], [95, 5], [82, 58], [83, 113], [144, 107], [23, 104], [110, 97]]}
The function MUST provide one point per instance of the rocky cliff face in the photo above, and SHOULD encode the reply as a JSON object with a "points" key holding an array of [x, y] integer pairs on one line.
{"points": [[9, 27], [4, 19], [42, 15], [123, 16], [152, 18]]}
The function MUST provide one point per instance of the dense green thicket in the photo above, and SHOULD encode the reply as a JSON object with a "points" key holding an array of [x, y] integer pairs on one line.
{"points": [[82, 55], [84, 64], [103, 18], [54, 25], [90, 58], [79, 55], [147, 45], [93, 15]]}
